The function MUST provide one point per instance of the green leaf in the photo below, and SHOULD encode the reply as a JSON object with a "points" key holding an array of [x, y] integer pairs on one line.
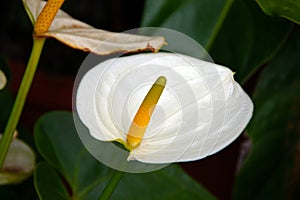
{"points": [[48, 183], [289, 9], [248, 39], [236, 33], [200, 20], [59, 144], [272, 169], [168, 183]]}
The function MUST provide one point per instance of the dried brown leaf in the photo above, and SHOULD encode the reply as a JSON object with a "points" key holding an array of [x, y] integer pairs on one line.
{"points": [[80, 35]]}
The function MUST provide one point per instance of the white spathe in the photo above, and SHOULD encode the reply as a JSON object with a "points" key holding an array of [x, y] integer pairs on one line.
{"points": [[201, 110], [80, 35]]}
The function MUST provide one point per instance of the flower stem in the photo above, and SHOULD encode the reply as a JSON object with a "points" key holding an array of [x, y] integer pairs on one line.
{"points": [[38, 44], [112, 184]]}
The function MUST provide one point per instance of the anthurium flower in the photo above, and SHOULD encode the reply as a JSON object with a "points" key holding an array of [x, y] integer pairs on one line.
{"points": [[18, 164], [163, 107], [2, 80], [80, 35]]}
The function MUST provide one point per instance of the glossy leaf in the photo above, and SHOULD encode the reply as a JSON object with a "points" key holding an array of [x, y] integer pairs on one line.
{"points": [[242, 38], [169, 183], [198, 19], [289, 9], [48, 183], [248, 39], [58, 143], [272, 169]]}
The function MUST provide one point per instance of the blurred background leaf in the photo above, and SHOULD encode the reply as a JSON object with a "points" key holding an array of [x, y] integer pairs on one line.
{"points": [[49, 184], [200, 20], [84, 177], [236, 33], [272, 169], [58, 143], [288, 9], [248, 39]]}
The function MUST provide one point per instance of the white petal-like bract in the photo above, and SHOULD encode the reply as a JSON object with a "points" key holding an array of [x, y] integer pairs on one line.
{"points": [[80, 35], [201, 110]]}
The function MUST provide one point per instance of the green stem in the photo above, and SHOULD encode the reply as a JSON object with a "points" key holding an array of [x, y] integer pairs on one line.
{"points": [[218, 24], [112, 184], [5, 141]]}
